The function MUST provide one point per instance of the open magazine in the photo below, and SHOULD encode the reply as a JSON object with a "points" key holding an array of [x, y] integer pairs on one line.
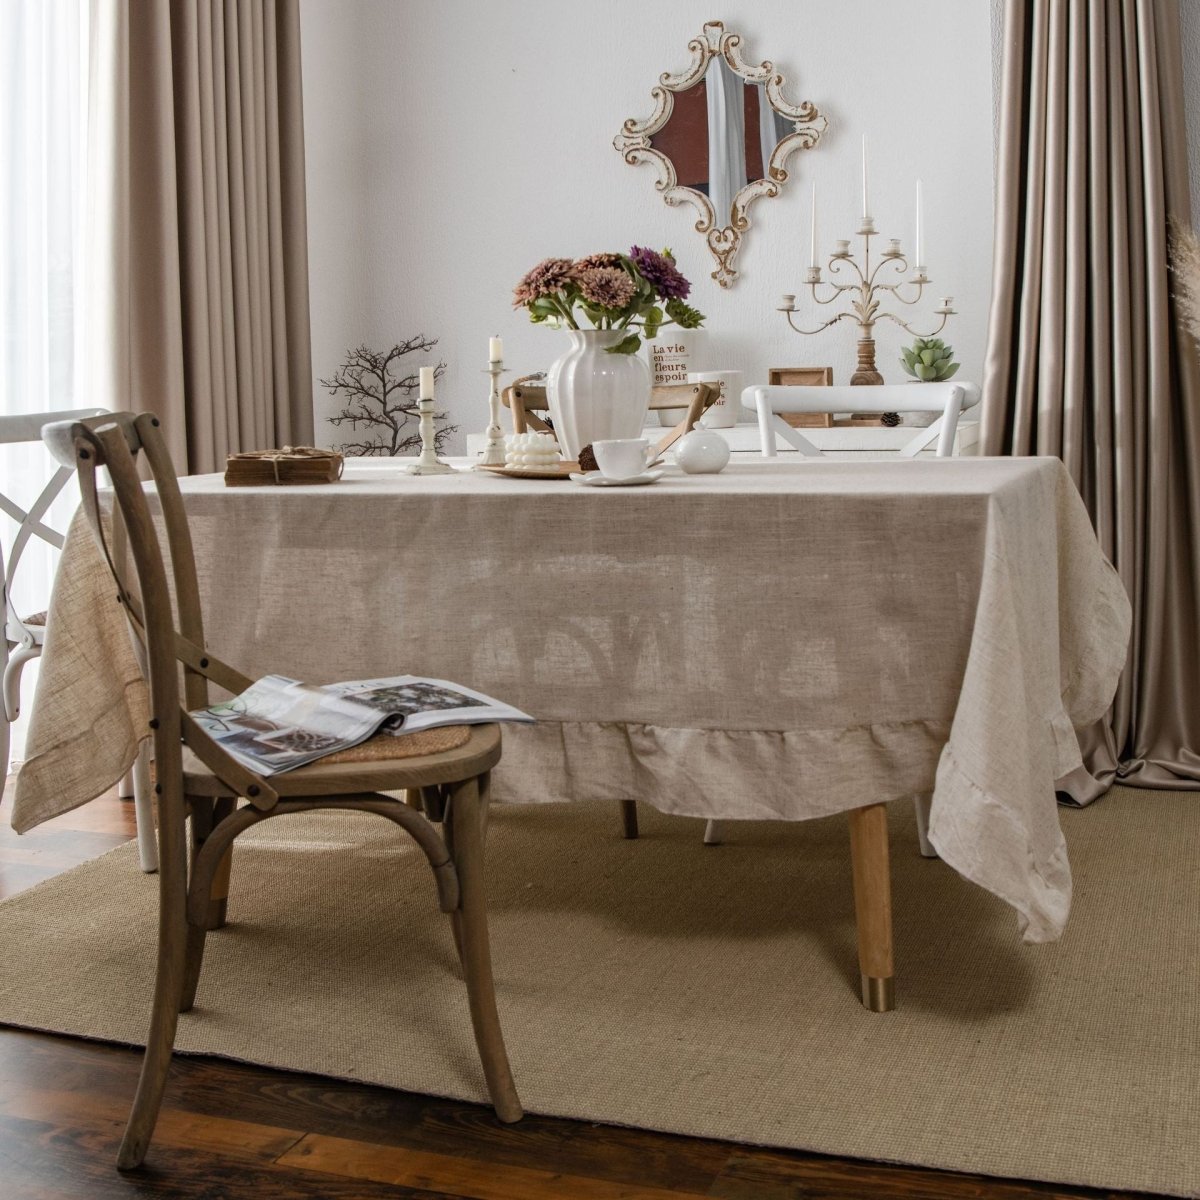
{"points": [[278, 724]]}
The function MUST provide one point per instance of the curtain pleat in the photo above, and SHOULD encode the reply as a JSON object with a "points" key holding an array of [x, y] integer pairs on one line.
{"points": [[1086, 357], [208, 249]]}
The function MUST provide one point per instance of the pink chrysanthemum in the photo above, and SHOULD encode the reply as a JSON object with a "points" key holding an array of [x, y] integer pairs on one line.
{"points": [[609, 287], [603, 259], [548, 276]]}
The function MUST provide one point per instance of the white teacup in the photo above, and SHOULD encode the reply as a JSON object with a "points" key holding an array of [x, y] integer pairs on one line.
{"points": [[621, 458]]}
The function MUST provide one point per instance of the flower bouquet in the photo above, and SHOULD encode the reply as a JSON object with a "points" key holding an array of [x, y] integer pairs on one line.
{"points": [[638, 293]]}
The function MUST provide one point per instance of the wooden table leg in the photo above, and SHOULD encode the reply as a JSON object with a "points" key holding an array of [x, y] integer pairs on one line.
{"points": [[629, 818], [873, 905]]}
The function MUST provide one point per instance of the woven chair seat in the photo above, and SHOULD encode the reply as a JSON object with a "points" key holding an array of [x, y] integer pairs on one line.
{"points": [[36, 619], [385, 746]]}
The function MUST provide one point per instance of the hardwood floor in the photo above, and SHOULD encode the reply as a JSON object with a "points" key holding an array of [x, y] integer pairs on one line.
{"points": [[230, 1130]]}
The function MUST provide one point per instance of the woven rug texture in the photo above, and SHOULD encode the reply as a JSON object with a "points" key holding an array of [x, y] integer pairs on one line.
{"points": [[703, 991]]}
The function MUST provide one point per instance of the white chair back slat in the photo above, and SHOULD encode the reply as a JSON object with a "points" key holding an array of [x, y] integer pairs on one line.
{"points": [[949, 400], [27, 427]]}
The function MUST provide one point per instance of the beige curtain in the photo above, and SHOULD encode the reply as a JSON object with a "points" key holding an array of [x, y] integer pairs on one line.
{"points": [[1086, 359], [201, 267]]}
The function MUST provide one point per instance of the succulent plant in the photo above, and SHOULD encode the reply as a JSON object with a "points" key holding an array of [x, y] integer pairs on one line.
{"points": [[929, 359]]}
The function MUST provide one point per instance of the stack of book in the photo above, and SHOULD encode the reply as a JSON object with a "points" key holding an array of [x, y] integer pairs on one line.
{"points": [[292, 464]]}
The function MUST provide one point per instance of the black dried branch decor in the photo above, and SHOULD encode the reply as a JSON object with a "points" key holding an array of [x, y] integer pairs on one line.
{"points": [[380, 394]]}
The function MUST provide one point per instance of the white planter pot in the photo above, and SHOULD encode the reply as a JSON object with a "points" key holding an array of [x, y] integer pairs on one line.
{"points": [[594, 395]]}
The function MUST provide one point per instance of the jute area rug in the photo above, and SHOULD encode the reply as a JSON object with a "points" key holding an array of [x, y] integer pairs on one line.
{"points": [[705, 991]]}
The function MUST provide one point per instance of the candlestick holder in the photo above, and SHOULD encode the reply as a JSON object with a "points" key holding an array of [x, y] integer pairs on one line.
{"points": [[428, 463], [493, 450], [868, 292]]}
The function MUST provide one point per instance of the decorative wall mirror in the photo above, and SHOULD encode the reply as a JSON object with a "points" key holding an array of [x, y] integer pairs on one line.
{"points": [[720, 137]]}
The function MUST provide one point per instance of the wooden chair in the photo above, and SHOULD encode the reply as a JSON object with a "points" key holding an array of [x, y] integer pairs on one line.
{"points": [[24, 636], [528, 403], [195, 775]]}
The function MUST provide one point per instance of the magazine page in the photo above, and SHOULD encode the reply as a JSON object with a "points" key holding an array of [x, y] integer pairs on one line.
{"points": [[278, 724], [415, 702]]}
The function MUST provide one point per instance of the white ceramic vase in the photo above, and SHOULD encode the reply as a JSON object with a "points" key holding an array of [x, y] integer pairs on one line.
{"points": [[594, 395]]}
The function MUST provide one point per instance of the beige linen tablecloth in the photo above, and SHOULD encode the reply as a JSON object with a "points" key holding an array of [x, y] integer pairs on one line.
{"points": [[783, 640]]}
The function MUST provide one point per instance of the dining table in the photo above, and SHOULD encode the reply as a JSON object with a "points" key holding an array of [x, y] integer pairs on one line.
{"points": [[779, 641]]}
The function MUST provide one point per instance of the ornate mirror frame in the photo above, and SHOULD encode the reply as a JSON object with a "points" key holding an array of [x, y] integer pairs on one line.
{"points": [[633, 142]]}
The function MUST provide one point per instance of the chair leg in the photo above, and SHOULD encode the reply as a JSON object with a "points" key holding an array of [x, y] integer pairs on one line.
{"points": [[5, 736], [218, 901], [629, 819], [712, 832], [464, 818], [143, 810], [873, 905], [922, 804], [168, 984], [206, 814], [12, 679]]}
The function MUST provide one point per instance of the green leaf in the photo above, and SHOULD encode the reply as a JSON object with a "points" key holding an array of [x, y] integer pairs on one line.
{"points": [[684, 315], [929, 357], [631, 344], [950, 373]]}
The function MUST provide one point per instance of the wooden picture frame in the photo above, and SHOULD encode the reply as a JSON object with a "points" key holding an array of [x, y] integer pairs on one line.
{"points": [[803, 377]]}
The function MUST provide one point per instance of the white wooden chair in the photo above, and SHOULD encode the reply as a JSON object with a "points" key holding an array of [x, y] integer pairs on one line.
{"points": [[949, 400], [24, 636]]}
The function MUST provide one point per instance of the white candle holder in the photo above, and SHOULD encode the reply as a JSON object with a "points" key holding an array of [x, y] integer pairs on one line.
{"points": [[428, 463], [866, 290], [493, 450]]}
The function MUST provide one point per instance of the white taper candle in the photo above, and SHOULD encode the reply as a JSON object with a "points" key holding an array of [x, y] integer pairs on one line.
{"points": [[866, 206], [813, 237], [920, 231], [426, 389], [495, 349]]}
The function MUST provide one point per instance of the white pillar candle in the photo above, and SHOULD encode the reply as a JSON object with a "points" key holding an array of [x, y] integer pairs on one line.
{"points": [[920, 231], [866, 206], [426, 390], [495, 349], [813, 234]]}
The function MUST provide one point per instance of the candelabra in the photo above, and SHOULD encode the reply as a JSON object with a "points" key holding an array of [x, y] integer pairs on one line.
{"points": [[493, 450], [865, 306]]}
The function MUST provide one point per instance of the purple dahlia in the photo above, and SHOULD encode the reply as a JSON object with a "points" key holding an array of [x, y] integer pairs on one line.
{"points": [[661, 272]]}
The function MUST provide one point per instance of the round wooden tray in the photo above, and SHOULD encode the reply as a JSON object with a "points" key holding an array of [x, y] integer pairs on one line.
{"points": [[560, 470]]}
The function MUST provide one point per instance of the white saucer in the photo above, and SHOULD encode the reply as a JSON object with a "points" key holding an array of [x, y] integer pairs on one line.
{"points": [[595, 479]]}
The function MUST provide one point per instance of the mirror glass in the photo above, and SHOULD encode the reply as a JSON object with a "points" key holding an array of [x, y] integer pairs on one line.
{"points": [[719, 138]]}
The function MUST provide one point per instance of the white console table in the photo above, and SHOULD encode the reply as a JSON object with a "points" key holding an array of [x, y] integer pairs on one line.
{"points": [[839, 442]]}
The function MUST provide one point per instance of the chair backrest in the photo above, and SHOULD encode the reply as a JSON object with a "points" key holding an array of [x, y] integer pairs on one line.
{"points": [[171, 634], [31, 522], [948, 399]]}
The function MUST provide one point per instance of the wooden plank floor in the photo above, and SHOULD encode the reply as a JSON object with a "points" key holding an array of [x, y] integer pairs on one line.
{"points": [[230, 1131]]}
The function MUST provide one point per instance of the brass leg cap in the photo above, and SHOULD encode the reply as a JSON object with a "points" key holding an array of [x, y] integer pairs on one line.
{"points": [[878, 995]]}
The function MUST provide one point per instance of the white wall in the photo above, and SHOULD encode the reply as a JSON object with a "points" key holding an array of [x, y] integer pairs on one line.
{"points": [[451, 144]]}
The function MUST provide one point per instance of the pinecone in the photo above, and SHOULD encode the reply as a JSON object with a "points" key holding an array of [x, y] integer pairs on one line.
{"points": [[587, 460], [891, 420]]}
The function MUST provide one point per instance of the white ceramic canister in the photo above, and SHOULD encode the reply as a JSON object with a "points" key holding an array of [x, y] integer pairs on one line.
{"points": [[673, 354]]}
